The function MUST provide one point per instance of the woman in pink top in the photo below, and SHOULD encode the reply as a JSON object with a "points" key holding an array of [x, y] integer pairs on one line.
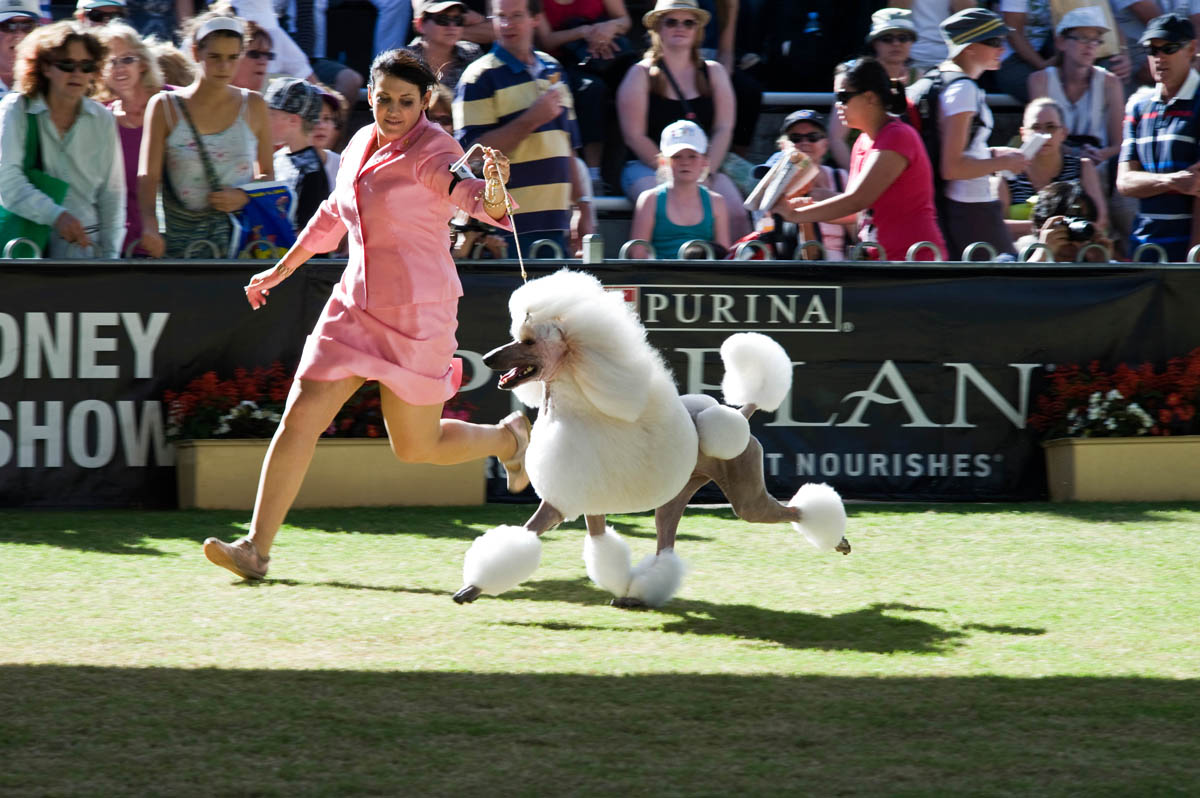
{"points": [[890, 175], [392, 316]]}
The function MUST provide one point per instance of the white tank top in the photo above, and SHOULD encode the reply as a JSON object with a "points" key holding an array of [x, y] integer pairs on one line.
{"points": [[1085, 117]]}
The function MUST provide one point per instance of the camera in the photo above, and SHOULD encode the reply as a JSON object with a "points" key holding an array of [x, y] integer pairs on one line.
{"points": [[1079, 228]]}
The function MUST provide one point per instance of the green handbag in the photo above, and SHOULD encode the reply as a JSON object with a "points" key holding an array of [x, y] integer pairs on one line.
{"points": [[14, 227]]}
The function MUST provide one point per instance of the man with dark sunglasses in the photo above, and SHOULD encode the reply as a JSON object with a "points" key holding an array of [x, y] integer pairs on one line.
{"points": [[1160, 157], [17, 19], [97, 13]]}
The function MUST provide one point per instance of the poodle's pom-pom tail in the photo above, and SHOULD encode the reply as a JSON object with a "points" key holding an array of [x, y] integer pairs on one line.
{"points": [[502, 558], [657, 578], [607, 559], [757, 371], [724, 432], [822, 515]]}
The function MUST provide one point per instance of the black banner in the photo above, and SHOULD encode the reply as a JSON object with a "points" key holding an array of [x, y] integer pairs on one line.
{"points": [[911, 382]]}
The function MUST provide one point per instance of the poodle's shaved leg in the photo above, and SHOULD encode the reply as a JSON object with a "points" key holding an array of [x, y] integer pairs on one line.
{"points": [[547, 517], [595, 524], [741, 479], [666, 517]]}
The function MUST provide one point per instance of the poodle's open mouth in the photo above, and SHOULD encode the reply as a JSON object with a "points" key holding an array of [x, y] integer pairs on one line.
{"points": [[515, 376]]}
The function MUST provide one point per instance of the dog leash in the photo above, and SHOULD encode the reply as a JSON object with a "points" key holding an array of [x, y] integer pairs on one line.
{"points": [[461, 169]]}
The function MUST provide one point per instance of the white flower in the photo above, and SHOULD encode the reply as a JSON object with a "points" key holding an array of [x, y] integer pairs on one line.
{"points": [[1113, 394]]}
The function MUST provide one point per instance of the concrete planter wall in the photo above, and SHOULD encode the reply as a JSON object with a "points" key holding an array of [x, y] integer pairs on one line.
{"points": [[345, 472], [1124, 469]]}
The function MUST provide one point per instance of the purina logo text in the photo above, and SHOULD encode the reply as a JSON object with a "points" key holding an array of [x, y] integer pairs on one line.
{"points": [[745, 308]]}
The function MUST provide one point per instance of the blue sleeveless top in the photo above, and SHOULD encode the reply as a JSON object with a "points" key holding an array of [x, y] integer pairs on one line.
{"points": [[668, 236]]}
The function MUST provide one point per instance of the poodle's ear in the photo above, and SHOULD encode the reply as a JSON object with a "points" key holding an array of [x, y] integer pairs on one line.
{"points": [[617, 382]]}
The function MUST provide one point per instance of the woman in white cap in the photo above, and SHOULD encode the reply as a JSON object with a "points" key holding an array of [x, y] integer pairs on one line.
{"points": [[681, 209], [1091, 98], [201, 143]]}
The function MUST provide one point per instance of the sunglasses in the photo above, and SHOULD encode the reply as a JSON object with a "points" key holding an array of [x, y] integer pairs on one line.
{"points": [[995, 41], [675, 22], [260, 54], [811, 138], [69, 66], [896, 38], [21, 25], [1084, 41], [1169, 48], [844, 97], [447, 20], [102, 16], [125, 60]]}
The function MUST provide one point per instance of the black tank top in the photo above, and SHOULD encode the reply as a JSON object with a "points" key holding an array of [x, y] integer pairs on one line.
{"points": [[662, 111]]}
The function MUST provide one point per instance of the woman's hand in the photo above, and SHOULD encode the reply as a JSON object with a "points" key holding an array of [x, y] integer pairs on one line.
{"points": [[261, 284], [153, 243], [1010, 159], [71, 230], [228, 200], [790, 210], [495, 165]]}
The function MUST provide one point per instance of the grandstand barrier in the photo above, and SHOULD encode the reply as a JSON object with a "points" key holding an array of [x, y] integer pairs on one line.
{"points": [[556, 251], [705, 246], [14, 245], [921, 246], [969, 250], [1159, 253], [911, 381], [1194, 254], [1027, 253], [746, 249], [624, 253]]}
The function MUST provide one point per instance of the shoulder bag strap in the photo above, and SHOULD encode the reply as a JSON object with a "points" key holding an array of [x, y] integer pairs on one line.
{"points": [[33, 151], [688, 113], [209, 171]]}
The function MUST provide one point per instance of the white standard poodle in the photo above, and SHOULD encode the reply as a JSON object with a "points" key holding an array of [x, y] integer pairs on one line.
{"points": [[613, 435]]}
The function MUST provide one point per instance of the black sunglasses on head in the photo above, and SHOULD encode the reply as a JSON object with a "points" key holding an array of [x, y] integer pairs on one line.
{"points": [[103, 16], [447, 20], [69, 65], [18, 25], [1170, 48], [811, 138]]}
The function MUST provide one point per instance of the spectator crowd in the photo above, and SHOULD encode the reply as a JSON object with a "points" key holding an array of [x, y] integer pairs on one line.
{"points": [[131, 129]]}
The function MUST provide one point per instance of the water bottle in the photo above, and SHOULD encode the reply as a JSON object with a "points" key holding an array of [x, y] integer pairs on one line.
{"points": [[813, 26]]}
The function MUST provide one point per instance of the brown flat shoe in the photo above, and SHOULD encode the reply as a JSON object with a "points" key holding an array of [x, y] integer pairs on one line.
{"points": [[241, 557], [518, 477]]}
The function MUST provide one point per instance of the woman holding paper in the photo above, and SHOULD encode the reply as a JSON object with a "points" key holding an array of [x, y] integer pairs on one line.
{"points": [[393, 315], [890, 175], [1053, 162]]}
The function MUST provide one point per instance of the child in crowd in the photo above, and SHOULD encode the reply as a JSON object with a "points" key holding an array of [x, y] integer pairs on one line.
{"points": [[295, 108], [680, 209]]}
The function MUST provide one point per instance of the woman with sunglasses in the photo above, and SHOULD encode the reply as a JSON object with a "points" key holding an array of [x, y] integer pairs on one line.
{"points": [[254, 70], [77, 143], [968, 210], [671, 83], [17, 21], [891, 41], [131, 78], [890, 174], [207, 131], [1054, 162], [441, 44]]}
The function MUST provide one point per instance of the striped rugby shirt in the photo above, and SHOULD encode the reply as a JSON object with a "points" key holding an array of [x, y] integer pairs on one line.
{"points": [[1162, 138], [492, 92]]}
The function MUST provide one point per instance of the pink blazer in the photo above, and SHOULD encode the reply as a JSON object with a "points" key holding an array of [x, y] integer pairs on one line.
{"points": [[396, 207]]}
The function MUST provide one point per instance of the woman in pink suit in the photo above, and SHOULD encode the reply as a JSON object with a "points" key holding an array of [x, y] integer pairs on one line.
{"points": [[393, 315]]}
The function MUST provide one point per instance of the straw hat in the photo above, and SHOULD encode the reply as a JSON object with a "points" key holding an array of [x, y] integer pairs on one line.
{"points": [[650, 18]]}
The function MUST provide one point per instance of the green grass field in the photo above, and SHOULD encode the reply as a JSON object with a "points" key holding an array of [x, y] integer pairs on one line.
{"points": [[1025, 650]]}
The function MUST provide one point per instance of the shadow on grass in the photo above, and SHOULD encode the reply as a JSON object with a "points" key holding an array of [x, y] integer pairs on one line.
{"points": [[873, 629], [129, 731]]}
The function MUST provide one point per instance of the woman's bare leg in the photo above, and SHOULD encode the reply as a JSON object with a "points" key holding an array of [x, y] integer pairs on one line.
{"points": [[311, 407], [419, 434]]}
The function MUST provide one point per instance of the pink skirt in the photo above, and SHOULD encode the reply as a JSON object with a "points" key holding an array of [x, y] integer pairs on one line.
{"points": [[409, 348]]}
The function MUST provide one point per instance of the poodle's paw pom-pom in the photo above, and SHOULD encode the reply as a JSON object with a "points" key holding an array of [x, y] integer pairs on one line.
{"points": [[724, 432], [757, 371], [822, 515], [607, 559], [502, 558], [657, 578], [696, 402]]}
